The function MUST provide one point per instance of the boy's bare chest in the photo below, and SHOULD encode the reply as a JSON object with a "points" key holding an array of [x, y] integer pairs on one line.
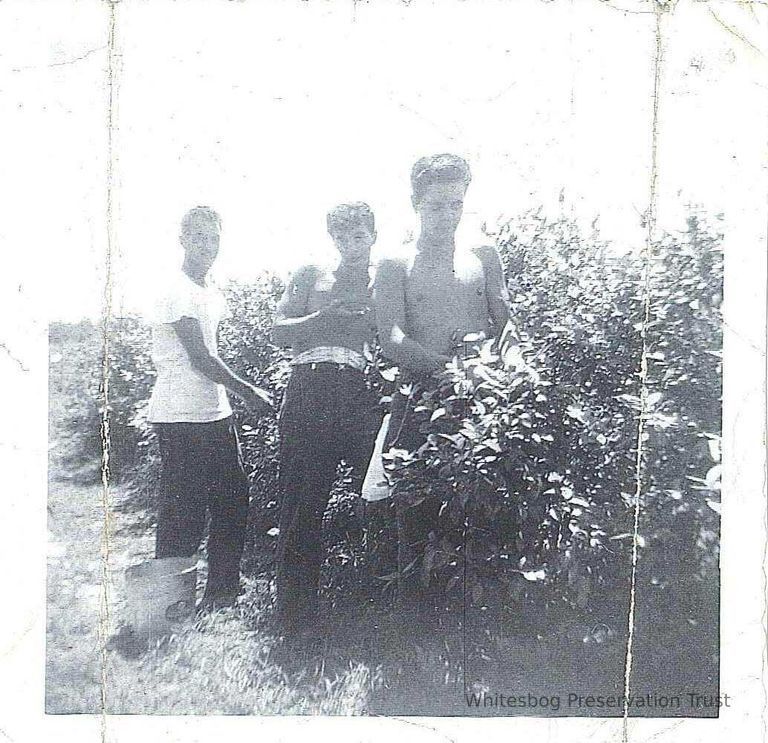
{"points": [[445, 289], [329, 288]]}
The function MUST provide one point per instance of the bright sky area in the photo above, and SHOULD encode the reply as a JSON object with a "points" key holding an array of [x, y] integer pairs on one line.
{"points": [[273, 111]]}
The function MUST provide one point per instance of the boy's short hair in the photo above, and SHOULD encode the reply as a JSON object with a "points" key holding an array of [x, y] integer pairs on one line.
{"points": [[345, 217], [202, 213], [445, 168]]}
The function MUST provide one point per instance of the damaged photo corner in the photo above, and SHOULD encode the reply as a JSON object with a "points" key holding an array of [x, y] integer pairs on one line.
{"points": [[397, 360]]}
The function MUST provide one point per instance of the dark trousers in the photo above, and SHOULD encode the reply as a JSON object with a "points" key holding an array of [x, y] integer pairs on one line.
{"points": [[414, 523], [328, 415], [203, 471]]}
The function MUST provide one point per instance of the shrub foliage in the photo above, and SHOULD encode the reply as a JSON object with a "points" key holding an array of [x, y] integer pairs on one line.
{"points": [[532, 447]]}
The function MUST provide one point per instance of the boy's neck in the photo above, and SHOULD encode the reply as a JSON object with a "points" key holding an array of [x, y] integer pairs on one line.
{"points": [[437, 246], [346, 268], [192, 275]]}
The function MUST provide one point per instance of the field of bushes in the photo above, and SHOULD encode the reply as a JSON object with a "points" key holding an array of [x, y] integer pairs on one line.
{"points": [[532, 451]]}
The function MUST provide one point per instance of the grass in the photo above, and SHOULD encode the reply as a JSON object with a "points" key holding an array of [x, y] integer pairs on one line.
{"points": [[224, 664], [233, 662]]}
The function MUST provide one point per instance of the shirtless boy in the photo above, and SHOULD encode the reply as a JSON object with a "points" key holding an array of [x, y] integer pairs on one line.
{"points": [[425, 301], [328, 413]]}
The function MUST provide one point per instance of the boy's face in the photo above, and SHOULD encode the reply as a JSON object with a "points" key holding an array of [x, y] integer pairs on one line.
{"points": [[354, 244], [200, 240], [440, 207]]}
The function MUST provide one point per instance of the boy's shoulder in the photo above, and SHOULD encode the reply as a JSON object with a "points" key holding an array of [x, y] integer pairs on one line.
{"points": [[486, 254], [484, 250], [308, 272], [173, 299], [398, 259], [173, 287], [177, 283]]}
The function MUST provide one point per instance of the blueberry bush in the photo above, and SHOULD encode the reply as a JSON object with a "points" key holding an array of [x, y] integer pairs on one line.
{"points": [[531, 445]]}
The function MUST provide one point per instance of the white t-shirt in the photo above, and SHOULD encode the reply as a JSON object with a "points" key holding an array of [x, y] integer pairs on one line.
{"points": [[182, 394]]}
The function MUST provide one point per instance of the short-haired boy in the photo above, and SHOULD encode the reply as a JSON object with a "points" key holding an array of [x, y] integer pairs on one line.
{"points": [[328, 413], [426, 299], [202, 469]]}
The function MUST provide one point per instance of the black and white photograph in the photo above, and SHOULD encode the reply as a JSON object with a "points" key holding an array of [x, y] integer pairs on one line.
{"points": [[403, 360]]}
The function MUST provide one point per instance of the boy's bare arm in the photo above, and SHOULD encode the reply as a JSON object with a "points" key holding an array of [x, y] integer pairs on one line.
{"points": [[191, 336], [389, 305], [293, 323], [495, 289]]}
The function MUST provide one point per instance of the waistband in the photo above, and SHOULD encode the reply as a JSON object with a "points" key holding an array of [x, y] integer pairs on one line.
{"points": [[327, 367], [333, 355]]}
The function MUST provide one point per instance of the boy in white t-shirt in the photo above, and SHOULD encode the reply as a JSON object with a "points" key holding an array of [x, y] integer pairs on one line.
{"points": [[202, 466]]}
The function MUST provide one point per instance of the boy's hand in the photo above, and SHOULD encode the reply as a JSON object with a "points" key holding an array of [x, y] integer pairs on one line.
{"points": [[344, 308], [461, 340], [257, 401]]}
